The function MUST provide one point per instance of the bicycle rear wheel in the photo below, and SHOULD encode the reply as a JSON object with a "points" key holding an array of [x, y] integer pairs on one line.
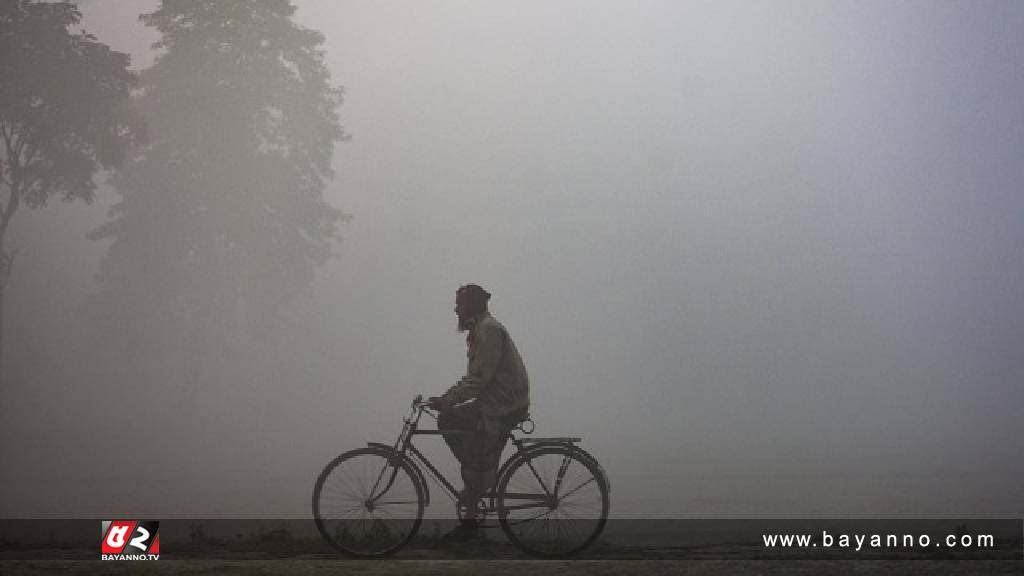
{"points": [[368, 502], [553, 501]]}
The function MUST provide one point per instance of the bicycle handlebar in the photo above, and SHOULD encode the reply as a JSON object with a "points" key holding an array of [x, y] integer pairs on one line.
{"points": [[420, 402]]}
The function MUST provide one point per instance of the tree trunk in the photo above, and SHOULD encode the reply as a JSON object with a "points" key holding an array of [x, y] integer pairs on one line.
{"points": [[6, 261], [2, 287], [5, 271]]}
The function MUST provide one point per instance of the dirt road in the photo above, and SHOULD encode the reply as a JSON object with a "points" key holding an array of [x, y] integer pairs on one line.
{"points": [[398, 567]]}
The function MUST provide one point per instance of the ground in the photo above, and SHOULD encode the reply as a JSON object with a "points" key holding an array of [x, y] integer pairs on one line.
{"points": [[331, 565]]}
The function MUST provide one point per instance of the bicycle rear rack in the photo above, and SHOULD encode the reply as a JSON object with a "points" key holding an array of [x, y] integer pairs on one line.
{"points": [[553, 439]]}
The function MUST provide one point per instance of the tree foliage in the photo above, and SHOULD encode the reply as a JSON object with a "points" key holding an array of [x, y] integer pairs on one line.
{"points": [[65, 110], [223, 217]]}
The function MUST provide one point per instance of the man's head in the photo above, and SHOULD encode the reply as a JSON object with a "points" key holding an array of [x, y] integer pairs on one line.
{"points": [[470, 302]]}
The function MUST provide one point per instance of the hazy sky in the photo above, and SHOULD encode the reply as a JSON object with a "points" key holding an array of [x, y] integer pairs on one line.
{"points": [[760, 250]]}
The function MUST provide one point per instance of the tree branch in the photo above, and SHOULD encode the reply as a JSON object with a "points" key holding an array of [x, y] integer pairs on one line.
{"points": [[19, 144], [7, 155], [6, 264], [7, 135], [14, 183], [8, 211]]}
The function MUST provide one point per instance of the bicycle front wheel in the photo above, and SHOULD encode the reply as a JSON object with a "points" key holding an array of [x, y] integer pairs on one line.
{"points": [[553, 501], [368, 502]]}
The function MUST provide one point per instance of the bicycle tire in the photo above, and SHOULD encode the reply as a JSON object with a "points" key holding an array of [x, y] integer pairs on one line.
{"points": [[348, 482], [539, 520]]}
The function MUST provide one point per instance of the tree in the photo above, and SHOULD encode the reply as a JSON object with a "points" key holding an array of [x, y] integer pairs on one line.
{"points": [[65, 112], [223, 218]]}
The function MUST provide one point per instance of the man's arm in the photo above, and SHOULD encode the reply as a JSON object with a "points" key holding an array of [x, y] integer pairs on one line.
{"points": [[483, 363]]}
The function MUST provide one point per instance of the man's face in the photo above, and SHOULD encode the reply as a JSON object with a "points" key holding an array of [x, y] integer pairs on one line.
{"points": [[462, 311]]}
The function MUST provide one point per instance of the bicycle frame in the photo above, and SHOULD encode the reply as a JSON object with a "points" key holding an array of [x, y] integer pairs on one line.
{"points": [[404, 448]]}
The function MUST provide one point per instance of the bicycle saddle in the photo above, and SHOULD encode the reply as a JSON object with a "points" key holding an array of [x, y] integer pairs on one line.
{"points": [[520, 415]]}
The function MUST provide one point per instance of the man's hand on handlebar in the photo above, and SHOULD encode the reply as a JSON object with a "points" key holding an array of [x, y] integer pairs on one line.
{"points": [[438, 402]]}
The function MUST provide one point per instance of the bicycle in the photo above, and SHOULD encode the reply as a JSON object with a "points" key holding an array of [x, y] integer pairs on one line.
{"points": [[551, 497]]}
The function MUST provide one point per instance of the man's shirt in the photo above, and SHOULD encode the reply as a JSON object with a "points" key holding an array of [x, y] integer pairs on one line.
{"points": [[495, 373]]}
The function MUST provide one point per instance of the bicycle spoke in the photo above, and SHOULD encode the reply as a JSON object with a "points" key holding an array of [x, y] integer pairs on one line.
{"points": [[343, 493], [566, 495], [351, 479], [354, 509], [525, 506]]}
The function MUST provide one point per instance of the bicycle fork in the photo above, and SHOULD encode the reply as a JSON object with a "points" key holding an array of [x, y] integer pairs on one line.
{"points": [[393, 463]]}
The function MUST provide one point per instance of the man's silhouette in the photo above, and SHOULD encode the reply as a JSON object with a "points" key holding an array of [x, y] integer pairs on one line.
{"points": [[490, 399]]}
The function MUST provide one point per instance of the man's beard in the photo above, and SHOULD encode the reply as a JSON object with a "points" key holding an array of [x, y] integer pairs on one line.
{"points": [[464, 323]]}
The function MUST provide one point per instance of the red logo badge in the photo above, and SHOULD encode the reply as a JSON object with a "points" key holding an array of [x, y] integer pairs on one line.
{"points": [[130, 540]]}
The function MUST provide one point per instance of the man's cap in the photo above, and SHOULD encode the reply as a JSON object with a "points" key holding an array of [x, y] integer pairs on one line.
{"points": [[473, 292]]}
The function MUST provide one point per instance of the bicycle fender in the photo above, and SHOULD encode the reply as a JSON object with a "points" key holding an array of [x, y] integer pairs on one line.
{"points": [[412, 465], [548, 442], [530, 446]]}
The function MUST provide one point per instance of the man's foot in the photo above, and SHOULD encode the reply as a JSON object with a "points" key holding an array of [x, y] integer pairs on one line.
{"points": [[466, 531]]}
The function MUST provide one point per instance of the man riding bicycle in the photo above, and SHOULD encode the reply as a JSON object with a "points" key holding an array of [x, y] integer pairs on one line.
{"points": [[487, 402]]}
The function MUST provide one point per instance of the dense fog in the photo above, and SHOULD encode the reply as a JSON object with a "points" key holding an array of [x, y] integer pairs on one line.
{"points": [[764, 258]]}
